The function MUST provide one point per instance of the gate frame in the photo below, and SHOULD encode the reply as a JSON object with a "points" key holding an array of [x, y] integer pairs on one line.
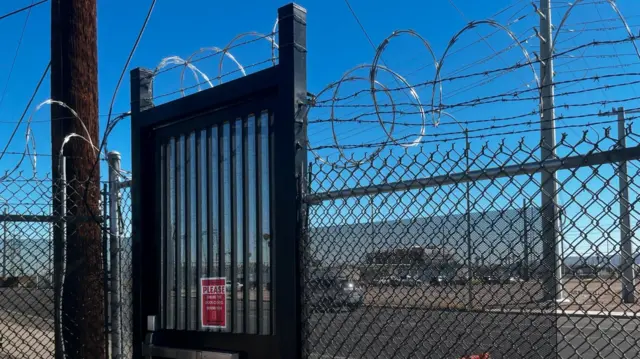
{"points": [[287, 136]]}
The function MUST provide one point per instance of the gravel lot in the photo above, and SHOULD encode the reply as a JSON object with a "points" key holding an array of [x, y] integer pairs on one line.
{"points": [[411, 322], [26, 323], [584, 294], [376, 332]]}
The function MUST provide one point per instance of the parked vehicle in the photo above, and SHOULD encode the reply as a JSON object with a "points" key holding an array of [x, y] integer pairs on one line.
{"points": [[239, 286], [410, 281], [438, 281], [490, 279], [391, 280], [512, 279], [460, 280], [329, 293]]}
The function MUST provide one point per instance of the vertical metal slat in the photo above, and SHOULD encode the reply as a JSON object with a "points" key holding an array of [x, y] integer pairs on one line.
{"points": [[106, 198], [188, 271], [221, 203], [209, 177], [272, 226], [170, 270], [245, 225], [178, 209], [198, 199], [164, 160], [234, 227], [259, 227]]}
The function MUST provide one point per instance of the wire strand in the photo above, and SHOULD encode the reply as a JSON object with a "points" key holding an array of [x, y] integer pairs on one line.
{"points": [[15, 56], [15, 12], [24, 113]]}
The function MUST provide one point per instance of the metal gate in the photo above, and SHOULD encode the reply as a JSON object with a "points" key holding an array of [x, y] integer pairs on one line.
{"points": [[210, 169]]}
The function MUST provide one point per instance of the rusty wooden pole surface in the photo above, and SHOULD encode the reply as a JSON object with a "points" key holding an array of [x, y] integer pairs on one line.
{"points": [[74, 81]]}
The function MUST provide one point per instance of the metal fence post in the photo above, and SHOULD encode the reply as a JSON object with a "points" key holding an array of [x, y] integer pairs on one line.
{"points": [[525, 229], [114, 251], [467, 150], [105, 265], [626, 250], [59, 249], [5, 240], [288, 138], [141, 99], [552, 282]]}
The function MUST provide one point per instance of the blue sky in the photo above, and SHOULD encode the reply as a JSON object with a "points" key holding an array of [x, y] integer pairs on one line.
{"points": [[336, 43]]}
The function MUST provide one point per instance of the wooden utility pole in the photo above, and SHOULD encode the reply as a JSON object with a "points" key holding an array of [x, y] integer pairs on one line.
{"points": [[74, 81]]}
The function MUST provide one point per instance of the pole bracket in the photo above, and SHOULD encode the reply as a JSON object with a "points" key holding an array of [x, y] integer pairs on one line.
{"points": [[535, 29], [535, 8]]}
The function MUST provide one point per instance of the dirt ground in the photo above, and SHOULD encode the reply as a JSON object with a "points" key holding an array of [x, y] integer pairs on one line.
{"points": [[581, 294], [24, 341], [597, 295]]}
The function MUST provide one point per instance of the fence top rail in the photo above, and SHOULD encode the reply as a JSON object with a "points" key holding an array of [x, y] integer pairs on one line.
{"points": [[529, 168], [124, 184], [225, 95], [46, 218]]}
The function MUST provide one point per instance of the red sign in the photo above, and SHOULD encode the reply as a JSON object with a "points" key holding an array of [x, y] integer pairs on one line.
{"points": [[213, 312], [478, 356]]}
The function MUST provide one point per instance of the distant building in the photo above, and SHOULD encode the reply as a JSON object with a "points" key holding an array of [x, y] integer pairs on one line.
{"points": [[20, 282], [589, 271], [497, 238], [338, 272], [417, 261], [413, 255]]}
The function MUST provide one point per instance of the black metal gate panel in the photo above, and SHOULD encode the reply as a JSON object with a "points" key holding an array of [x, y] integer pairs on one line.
{"points": [[210, 169]]}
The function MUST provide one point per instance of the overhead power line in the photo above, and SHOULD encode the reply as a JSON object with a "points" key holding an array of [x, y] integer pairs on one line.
{"points": [[24, 113], [2, 17], [360, 24], [15, 56]]}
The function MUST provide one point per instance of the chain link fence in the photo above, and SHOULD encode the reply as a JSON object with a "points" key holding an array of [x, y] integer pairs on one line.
{"points": [[29, 290], [126, 284], [414, 255], [26, 287], [27, 266], [411, 255]]}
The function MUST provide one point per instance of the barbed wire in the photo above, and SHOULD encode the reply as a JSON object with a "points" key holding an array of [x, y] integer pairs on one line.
{"points": [[28, 132], [487, 72], [112, 122], [357, 119], [466, 130], [515, 95], [215, 53], [598, 29], [499, 134], [481, 39], [188, 63], [220, 77], [60, 118], [16, 153], [603, 20], [613, 6], [437, 107]]}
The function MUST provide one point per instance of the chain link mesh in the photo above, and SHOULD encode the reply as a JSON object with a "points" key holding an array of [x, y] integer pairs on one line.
{"points": [[453, 269], [126, 271], [27, 285], [456, 267], [26, 293]]}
